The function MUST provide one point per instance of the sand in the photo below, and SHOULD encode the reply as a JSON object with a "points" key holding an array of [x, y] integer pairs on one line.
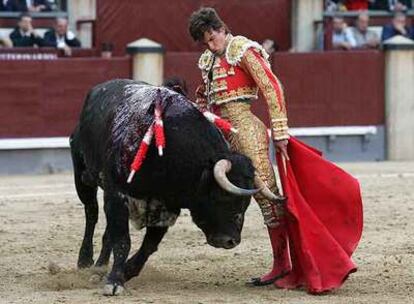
{"points": [[41, 227]]}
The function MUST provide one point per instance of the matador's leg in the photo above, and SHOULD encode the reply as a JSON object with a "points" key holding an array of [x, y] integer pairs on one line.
{"points": [[252, 141]]}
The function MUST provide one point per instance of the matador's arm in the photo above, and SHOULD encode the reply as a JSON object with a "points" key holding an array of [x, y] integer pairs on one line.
{"points": [[201, 99], [269, 84]]}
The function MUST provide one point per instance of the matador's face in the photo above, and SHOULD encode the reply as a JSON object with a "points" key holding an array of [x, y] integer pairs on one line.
{"points": [[215, 40]]}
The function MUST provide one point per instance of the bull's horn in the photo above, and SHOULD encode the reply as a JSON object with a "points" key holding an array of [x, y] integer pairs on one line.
{"points": [[220, 169], [265, 191]]}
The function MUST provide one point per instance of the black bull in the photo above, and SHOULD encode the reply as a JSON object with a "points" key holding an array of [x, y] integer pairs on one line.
{"points": [[190, 175]]}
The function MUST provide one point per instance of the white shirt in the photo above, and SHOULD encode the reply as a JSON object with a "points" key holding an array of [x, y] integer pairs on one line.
{"points": [[344, 36], [25, 34], [60, 41], [391, 4]]}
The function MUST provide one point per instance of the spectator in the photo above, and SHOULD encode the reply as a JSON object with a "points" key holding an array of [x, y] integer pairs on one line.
{"points": [[335, 5], [61, 37], [363, 36], [106, 50], [398, 26], [330, 6], [391, 5], [270, 46], [28, 5], [341, 36], [24, 35], [347, 5], [5, 41]]}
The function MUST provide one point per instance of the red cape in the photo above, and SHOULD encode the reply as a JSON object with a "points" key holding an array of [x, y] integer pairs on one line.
{"points": [[324, 219]]}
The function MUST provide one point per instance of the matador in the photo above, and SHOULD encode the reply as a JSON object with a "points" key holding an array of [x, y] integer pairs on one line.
{"points": [[233, 69]]}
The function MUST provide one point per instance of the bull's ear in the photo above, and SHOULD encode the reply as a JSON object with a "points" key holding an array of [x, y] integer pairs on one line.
{"points": [[205, 181], [179, 89], [151, 109]]}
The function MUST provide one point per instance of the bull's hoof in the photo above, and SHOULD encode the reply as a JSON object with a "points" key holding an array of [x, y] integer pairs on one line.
{"points": [[101, 262], [85, 263], [113, 289]]}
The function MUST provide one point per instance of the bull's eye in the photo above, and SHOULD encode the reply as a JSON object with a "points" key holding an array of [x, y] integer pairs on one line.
{"points": [[238, 218]]}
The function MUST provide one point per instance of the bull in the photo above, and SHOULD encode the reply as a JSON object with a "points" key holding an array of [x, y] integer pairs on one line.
{"points": [[197, 172]]}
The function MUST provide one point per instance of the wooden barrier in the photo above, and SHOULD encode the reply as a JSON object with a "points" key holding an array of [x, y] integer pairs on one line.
{"points": [[322, 89], [120, 22], [25, 53], [43, 98], [40, 20]]}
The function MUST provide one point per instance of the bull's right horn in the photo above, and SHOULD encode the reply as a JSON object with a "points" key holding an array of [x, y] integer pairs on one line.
{"points": [[220, 169], [265, 191]]}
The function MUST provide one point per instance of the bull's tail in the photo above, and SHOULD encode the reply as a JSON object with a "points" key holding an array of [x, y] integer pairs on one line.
{"points": [[86, 188]]}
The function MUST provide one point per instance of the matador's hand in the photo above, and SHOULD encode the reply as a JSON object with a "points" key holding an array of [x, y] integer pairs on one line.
{"points": [[281, 147], [201, 100]]}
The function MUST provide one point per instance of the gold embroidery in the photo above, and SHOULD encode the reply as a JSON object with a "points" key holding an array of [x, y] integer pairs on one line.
{"points": [[219, 76], [219, 85], [279, 119], [219, 73], [237, 47], [231, 71], [204, 76], [277, 113], [206, 60], [217, 62], [219, 89], [239, 93], [252, 141]]}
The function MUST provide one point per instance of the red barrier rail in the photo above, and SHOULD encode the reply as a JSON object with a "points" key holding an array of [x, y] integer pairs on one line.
{"points": [[43, 98], [322, 89], [18, 53], [122, 22]]}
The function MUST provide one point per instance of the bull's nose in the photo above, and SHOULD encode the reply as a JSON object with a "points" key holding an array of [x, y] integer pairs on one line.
{"points": [[231, 243], [224, 241]]}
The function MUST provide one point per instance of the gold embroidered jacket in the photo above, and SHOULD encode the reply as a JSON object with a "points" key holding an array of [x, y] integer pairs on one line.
{"points": [[239, 74]]}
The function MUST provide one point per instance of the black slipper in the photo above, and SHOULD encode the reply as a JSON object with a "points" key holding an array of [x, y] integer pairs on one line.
{"points": [[258, 281]]}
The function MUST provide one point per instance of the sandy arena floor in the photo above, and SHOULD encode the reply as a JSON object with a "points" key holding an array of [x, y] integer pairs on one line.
{"points": [[41, 224]]}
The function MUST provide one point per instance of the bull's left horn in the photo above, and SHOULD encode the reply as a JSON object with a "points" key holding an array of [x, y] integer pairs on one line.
{"points": [[220, 169]]}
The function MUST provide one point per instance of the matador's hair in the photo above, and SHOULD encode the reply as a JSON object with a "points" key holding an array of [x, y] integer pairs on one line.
{"points": [[203, 20]]}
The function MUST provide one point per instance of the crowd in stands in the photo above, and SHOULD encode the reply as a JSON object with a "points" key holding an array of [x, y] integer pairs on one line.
{"points": [[362, 37], [356, 5], [24, 35], [28, 5], [359, 35]]}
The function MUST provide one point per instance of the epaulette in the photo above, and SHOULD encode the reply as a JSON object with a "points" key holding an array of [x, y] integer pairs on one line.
{"points": [[206, 60], [238, 45]]}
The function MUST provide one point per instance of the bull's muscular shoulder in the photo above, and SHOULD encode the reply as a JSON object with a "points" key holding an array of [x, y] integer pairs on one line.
{"points": [[238, 45], [206, 60]]}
